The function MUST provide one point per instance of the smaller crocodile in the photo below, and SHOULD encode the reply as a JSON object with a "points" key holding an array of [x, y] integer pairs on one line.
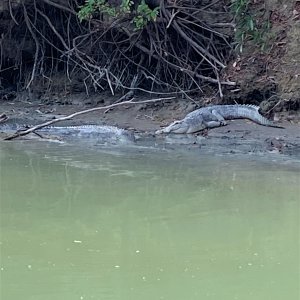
{"points": [[216, 116]]}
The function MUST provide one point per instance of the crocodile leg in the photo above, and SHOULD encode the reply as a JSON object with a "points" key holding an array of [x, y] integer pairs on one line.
{"points": [[219, 117], [212, 119], [213, 124]]}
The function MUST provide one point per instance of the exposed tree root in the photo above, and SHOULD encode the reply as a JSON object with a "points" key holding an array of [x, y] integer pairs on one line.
{"points": [[180, 53]]}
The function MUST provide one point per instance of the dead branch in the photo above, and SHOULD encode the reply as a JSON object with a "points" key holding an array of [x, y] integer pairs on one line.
{"points": [[11, 12], [39, 126], [37, 46], [60, 6]]}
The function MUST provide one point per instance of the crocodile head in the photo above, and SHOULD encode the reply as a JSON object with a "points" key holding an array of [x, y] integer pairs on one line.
{"points": [[177, 127], [186, 125]]}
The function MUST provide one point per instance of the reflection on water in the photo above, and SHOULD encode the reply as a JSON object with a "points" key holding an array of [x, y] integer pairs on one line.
{"points": [[82, 224]]}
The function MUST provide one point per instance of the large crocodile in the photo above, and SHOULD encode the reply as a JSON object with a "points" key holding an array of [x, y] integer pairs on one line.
{"points": [[215, 116], [100, 132]]}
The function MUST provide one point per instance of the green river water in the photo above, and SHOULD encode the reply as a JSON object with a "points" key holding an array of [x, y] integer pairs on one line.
{"points": [[78, 223]]}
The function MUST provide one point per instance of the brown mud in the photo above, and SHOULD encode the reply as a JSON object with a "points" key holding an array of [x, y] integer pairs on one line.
{"points": [[239, 136]]}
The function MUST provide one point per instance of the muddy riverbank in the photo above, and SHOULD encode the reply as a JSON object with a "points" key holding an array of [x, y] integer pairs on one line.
{"points": [[239, 136]]}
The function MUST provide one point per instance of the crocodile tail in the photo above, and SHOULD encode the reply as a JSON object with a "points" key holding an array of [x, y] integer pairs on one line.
{"points": [[252, 113]]}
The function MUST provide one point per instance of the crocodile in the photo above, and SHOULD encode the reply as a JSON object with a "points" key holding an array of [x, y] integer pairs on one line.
{"points": [[103, 133], [216, 116]]}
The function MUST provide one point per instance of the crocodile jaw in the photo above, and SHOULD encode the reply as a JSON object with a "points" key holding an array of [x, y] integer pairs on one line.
{"points": [[175, 127]]}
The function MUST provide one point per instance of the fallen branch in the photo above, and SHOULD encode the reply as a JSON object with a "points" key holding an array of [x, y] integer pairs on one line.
{"points": [[39, 126]]}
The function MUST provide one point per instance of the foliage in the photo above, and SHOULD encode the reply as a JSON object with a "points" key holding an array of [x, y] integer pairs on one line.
{"points": [[140, 16], [247, 27], [91, 6], [144, 15]]}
